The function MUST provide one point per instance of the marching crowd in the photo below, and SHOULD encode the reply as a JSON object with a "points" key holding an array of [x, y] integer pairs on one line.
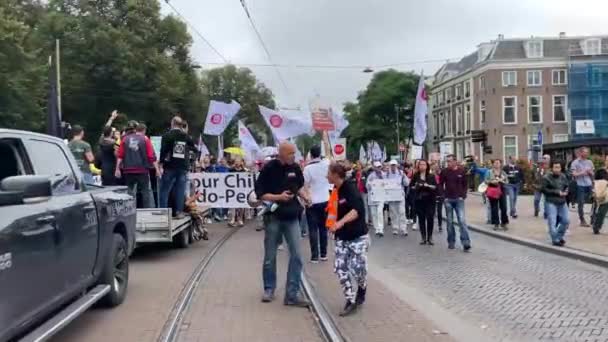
{"points": [[320, 198]]}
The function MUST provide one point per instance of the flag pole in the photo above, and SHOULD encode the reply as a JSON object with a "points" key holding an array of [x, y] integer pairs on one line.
{"points": [[58, 79]]}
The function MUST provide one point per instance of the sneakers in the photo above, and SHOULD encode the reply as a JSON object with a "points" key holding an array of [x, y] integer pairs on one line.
{"points": [[379, 234], [584, 224], [179, 216], [268, 296], [360, 295], [423, 242], [225, 218], [314, 261], [281, 247], [467, 248], [259, 228], [349, 309], [395, 232], [232, 224], [430, 242], [240, 223], [414, 226], [297, 302], [504, 227], [324, 258], [451, 247]]}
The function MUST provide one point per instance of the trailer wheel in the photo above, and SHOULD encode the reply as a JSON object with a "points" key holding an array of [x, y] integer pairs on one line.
{"points": [[116, 273], [182, 239]]}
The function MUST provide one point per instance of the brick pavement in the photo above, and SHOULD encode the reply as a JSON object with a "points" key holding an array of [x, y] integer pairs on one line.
{"points": [[157, 275], [227, 306], [527, 226], [505, 291], [384, 317]]}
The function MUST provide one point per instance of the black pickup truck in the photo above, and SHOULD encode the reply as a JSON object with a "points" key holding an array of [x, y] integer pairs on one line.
{"points": [[64, 244]]}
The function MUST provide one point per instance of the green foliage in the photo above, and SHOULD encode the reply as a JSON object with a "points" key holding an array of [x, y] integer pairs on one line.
{"points": [[115, 54], [373, 117]]}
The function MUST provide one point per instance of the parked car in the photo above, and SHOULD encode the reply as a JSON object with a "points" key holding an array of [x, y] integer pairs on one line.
{"points": [[64, 245]]}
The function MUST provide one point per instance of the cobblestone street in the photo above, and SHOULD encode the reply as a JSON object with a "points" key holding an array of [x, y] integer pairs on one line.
{"points": [[507, 291]]}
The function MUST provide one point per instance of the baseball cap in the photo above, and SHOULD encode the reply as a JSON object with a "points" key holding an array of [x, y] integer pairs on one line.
{"points": [[377, 164], [393, 162]]}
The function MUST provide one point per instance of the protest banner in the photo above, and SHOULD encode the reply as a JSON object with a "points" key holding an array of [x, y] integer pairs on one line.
{"points": [[386, 190], [223, 190], [322, 119]]}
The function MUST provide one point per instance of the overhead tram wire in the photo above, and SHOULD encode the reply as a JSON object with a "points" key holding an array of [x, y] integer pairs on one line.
{"points": [[197, 32], [257, 32]]}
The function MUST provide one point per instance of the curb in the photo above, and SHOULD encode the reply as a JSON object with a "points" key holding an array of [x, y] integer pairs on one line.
{"points": [[328, 326], [567, 252]]}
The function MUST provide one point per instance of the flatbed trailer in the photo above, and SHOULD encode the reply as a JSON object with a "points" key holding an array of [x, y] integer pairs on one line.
{"points": [[158, 226]]}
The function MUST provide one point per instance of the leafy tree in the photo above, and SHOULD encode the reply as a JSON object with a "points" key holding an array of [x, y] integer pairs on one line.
{"points": [[373, 117], [240, 84]]}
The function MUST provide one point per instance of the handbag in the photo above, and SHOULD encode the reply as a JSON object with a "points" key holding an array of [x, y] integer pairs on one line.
{"points": [[494, 192]]}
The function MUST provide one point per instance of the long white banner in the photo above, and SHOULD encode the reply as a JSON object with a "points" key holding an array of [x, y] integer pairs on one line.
{"points": [[223, 190]]}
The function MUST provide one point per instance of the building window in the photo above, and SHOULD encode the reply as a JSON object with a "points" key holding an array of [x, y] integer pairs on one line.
{"points": [[459, 91], [560, 77], [449, 123], [509, 110], [560, 138], [482, 82], [482, 112], [535, 78], [592, 46], [441, 124], [467, 89], [459, 120], [468, 149], [509, 146], [532, 140], [559, 108], [535, 109], [441, 98], [467, 118], [535, 49], [596, 77], [509, 78]]}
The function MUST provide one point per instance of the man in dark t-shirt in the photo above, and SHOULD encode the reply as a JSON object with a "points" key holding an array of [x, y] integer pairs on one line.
{"points": [[174, 160], [281, 181]]}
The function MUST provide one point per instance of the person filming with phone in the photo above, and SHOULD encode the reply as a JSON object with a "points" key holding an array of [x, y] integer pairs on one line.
{"points": [[281, 182]]}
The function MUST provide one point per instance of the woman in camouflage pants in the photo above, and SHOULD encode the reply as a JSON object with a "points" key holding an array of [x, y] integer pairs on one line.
{"points": [[346, 219]]}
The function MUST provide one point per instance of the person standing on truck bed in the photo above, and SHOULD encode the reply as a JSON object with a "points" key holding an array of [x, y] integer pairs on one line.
{"points": [[175, 145], [82, 153], [279, 182], [135, 158]]}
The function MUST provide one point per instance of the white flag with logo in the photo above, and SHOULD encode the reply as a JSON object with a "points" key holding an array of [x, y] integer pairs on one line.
{"points": [[420, 112], [283, 126], [248, 142], [339, 149], [341, 123], [375, 152], [362, 156], [219, 116]]}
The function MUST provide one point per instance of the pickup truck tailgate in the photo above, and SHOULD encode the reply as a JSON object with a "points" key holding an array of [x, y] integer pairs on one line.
{"points": [[157, 225]]}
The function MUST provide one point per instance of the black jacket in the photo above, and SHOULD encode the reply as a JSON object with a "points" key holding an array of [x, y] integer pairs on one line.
{"points": [[423, 193], [349, 198]]}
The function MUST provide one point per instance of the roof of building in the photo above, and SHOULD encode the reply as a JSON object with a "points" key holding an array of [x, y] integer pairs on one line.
{"points": [[515, 49]]}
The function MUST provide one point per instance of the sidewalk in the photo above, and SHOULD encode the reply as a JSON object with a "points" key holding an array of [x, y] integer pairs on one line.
{"points": [[529, 227], [227, 306], [383, 317]]}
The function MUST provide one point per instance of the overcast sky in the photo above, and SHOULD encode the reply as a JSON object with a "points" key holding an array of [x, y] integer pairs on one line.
{"points": [[368, 32]]}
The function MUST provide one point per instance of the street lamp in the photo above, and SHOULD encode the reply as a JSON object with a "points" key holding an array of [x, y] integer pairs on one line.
{"points": [[368, 70], [399, 109]]}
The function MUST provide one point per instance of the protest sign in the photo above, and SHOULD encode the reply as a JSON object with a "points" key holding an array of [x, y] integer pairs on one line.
{"points": [[223, 190], [386, 190], [156, 142], [339, 149]]}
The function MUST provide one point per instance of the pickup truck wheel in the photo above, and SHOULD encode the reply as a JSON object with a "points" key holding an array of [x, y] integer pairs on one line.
{"points": [[182, 239], [116, 273]]}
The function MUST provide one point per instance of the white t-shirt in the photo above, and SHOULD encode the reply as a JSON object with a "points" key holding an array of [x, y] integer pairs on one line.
{"points": [[315, 178]]}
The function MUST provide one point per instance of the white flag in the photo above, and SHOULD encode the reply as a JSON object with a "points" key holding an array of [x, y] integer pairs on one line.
{"points": [[219, 116], [362, 156], [384, 155], [248, 142], [376, 152], [341, 123], [420, 112], [283, 126]]}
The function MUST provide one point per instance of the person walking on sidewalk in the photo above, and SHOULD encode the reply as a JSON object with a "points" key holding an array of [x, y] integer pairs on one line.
{"points": [[515, 177], [453, 187], [279, 182], [315, 180], [582, 172], [347, 221], [174, 152], [397, 209], [540, 171], [555, 188], [496, 180], [600, 191], [426, 187], [376, 208]]}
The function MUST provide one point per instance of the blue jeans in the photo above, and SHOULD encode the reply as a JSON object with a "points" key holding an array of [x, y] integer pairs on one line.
{"points": [[290, 230], [582, 195], [512, 191], [317, 233], [177, 178], [451, 206], [537, 198], [557, 231], [88, 178]]}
